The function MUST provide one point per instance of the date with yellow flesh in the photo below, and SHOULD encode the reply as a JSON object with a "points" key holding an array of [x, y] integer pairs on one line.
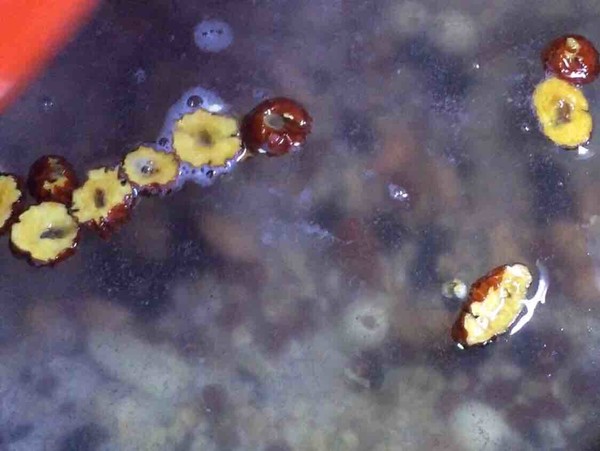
{"points": [[151, 171], [563, 113], [494, 303], [103, 202], [203, 138], [11, 199], [45, 234]]}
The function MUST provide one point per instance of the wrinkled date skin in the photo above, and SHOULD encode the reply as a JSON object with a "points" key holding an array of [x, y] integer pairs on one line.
{"points": [[276, 126], [572, 58], [52, 178], [494, 303], [478, 292], [118, 216]]}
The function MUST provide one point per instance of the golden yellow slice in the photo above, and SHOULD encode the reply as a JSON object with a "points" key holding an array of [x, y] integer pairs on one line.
{"points": [[151, 170], [563, 113], [10, 198], [103, 200], [495, 300], [45, 233], [203, 138]]}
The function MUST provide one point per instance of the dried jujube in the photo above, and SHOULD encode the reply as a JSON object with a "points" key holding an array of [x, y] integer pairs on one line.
{"points": [[45, 234], [48, 232], [151, 171], [572, 58], [11, 200], [494, 303], [276, 126], [563, 113], [104, 201], [204, 138], [52, 178]]}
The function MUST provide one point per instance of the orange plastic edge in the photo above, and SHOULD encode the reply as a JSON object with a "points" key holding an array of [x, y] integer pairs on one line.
{"points": [[31, 33]]}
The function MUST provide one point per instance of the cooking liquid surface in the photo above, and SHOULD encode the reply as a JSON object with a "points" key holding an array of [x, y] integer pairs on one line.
{"points": [[295, 303]]}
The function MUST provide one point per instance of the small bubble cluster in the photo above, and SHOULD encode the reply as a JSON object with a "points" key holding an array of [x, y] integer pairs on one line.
{"points": [[140, 76], [213, 35], [47, 104], [398, 193]]}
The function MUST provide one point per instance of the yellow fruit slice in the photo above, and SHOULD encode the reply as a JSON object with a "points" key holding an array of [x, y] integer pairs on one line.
{"points": [[203, 138], [150, 169], [45, 233], [103, 194], [10, 195], [494, 303], [562, 111]]}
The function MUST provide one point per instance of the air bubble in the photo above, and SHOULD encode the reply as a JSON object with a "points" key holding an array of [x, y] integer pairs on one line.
{"points": [[194, 101], [398, 193], [47, 104], [139, 76], [526, 128], [208, 101], [213, 35]]}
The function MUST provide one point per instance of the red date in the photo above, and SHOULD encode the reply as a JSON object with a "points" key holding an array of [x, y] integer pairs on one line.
{"points": [[52, 178], [572, 58], [276, 126]]}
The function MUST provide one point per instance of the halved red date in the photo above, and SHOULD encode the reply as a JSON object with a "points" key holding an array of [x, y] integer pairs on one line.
{"points": [[494, 303], [104, 201], [276, 126], [11, 200], [572, 58], [45, 234], [52, 178]]}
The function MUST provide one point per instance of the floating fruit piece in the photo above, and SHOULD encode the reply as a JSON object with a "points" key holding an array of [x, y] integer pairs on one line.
{"points": [[151, 171], [562, 111], [203, 138], [572, 58], [276, 126], [52, 178], [104, 201], [494, 303], [45, 234], [11, 200], [454, 289]]}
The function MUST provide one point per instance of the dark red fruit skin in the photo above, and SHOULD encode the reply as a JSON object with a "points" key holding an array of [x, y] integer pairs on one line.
{"points": [[43, 170], [118, 216], [19, 253], [259, 137], [17, 207], [477, 293], [579, 68]]}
